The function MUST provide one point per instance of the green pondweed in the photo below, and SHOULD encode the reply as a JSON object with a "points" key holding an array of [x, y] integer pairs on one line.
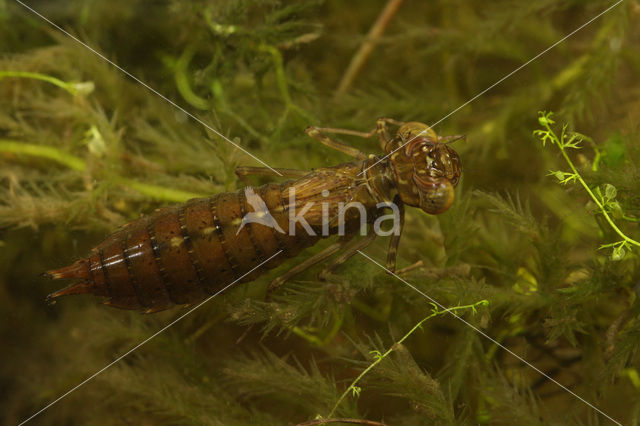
{"points": [[378, 356], [513, 237], [604, 198], [76, 88], [93, 139]]}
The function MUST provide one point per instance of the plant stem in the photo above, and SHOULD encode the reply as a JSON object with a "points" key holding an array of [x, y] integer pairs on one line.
{"points": [[48, 152], [281, 79], [399, 342], [158, 192], [594, 198], [341, 420], [71, 87], [78, 164], [338, 318], [361, 56]]}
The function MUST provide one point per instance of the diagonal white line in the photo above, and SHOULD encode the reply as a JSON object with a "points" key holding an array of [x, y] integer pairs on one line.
{"points": [[493, 340], [265, 164], [499, 81], [147, 86], [143, 342]]}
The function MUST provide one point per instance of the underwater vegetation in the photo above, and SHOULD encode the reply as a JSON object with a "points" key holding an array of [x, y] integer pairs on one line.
{"points": [[538, 254]]}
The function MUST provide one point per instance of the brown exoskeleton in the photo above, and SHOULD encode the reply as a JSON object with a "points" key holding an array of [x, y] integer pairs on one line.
{"points": [[184, 253]]}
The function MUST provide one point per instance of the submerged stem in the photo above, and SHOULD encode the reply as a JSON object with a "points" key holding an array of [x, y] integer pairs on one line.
{"points": [[74, 88], [78, 164], [48, 152], [379, 357], [595, 199], [549, 135]]}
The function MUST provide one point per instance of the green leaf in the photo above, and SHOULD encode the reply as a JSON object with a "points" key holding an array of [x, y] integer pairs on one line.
{"points": [[355, 391], [574, 141], [618, 253], [615, 209], [544, 118], [610, 192]]}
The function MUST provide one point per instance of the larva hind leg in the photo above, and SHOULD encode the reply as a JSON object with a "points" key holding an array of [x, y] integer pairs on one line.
{"points": [[347, 254], [244, 171], [316, 258], [404, 271]]}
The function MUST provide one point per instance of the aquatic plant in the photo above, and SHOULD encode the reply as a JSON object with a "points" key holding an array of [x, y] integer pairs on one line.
{"points": [[85, 149]]}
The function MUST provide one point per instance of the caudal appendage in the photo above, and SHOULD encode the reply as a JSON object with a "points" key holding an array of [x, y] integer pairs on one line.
{"points": [[79, 270]]}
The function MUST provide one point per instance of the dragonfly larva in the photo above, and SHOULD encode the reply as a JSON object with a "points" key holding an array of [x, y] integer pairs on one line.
{"points": [[182, 254]]}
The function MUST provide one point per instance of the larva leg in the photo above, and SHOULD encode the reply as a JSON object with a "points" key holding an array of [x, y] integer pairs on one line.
{"points": [[243, 172], [382, 129], [452, 138], [392, 253], [338, 131], [400, 272], [317, 134], [393, 248], [346, 255], [316, 258]]}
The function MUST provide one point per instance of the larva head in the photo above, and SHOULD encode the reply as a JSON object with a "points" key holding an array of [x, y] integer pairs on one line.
{"points": [[427, 169]]}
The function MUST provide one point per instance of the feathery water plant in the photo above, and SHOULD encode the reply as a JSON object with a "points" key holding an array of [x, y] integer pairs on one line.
{"points": [[77, 163]]}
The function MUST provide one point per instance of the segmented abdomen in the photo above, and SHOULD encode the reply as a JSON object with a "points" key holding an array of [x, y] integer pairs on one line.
{"points": [[182, 254]]}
